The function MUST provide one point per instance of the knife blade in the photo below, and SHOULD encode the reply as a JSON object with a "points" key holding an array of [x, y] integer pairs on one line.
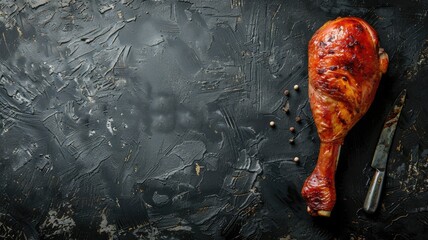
{"points": [[380, 157]]}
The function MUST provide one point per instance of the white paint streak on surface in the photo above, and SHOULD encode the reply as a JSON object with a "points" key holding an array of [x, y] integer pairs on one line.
{"points": [[109, 126], [56, 224], [109, 229]]}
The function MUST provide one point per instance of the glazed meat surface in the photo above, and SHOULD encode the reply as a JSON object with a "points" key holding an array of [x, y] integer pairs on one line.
{"points": [[345, 66]]}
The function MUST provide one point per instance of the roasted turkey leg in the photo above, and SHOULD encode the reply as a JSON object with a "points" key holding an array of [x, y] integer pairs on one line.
{"points": [[345, 66]]}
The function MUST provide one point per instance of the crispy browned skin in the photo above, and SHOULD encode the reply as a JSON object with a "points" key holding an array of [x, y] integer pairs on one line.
{"points": [[345, 66]]}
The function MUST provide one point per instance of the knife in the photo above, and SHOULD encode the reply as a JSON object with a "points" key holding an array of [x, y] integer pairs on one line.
{"points": [[380, 156]]}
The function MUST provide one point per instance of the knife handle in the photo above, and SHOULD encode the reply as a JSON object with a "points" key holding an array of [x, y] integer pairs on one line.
{"points": [[375, 189]]}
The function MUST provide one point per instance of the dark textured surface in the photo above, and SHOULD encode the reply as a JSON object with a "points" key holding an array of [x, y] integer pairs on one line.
{"points": [[150, 120]]}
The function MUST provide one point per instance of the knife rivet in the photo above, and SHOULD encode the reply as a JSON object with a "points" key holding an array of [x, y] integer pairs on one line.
{"points": [[296, 159]]}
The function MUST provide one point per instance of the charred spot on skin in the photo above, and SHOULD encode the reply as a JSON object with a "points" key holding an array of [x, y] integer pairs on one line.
{"points": [[357, 110], [359, 27], [322, 44], [332, 68], [344, 78], [348, 67], [343, 121], [321, 70], [330, 51]]}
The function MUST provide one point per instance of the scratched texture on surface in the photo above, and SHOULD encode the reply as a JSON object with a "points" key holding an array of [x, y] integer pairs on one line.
{"points": [[150, 120]]}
